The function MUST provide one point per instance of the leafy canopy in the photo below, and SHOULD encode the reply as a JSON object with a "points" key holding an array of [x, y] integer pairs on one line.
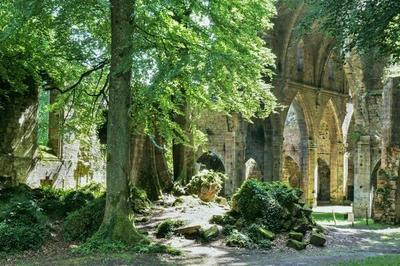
{"points": [[208, 54]]}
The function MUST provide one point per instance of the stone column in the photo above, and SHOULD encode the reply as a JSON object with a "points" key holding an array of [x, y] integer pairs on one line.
{"points": [[337, 187], [311, 181], [362, 178]]}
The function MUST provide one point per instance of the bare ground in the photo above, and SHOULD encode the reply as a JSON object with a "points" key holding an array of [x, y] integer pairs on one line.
{"points": [[344, 243]]}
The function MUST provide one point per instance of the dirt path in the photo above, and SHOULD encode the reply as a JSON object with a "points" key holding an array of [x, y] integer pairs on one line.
{"points": [[343, 242]]}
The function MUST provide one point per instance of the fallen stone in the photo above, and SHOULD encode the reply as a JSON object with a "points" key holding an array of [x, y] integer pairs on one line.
{"points": [[222, 201], [211, 233], [301, 228], [317, 239], [266, 233], [189, 232], [296, 236], [296, 244]]}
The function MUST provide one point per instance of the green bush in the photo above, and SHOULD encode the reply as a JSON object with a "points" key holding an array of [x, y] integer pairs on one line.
{"points": [[166, 228], [22, 237], [22, 226], [274, 206], [77, 199], [23, 213], [83, 223], [206, 179]]}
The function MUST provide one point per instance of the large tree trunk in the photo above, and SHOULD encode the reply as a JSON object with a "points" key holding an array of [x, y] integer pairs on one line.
{"points": [[147, 172], [116, 223], [149, 167], [161, 163], [179, 149]]}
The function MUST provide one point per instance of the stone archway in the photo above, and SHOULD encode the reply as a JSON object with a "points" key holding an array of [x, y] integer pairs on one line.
{"points": [[330, 150], [324, 181], [259, 146], [210, 160], [295, 146]]}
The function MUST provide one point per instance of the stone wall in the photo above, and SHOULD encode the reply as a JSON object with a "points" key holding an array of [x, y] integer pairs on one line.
{"points": [[17, 134]]}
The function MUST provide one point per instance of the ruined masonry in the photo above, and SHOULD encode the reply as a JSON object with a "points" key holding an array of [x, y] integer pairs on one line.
{"points": [[337, 136]]}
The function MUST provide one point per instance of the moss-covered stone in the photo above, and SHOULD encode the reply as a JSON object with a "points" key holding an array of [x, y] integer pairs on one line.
{"points": [[211, 233], [296, 244], [317, 239], [296, 236], [266, 233]]}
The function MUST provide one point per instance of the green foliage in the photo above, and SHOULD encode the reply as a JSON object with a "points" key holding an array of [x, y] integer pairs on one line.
{"points": [[166, 228], [271, 205], [43, 118], [206, 179], [22, 226], [157, 248], [360, 24], [22, 237], [99, 245], [238, 239], [83, 223]]}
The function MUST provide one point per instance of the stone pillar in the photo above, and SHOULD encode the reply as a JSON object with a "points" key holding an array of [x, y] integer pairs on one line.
{"points": [[337, 187], [311, 180], [387, 202], [362, 177]]}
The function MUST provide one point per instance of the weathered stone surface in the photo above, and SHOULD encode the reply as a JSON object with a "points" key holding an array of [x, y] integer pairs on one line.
{"points": [[252, 170], [190, 232], [296, 244], [317, 239], [211, 233], [296, 236]]}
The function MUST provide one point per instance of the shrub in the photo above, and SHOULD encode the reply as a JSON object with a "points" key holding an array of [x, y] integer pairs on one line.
{"points": [[23, 213], [166, 228], [83, 223], [252, 199], [206, 184], [76, 199], [22, 237], [22, 226]]}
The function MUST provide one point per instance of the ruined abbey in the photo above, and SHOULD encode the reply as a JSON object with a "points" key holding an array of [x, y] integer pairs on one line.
{"points": [[336, 135]]}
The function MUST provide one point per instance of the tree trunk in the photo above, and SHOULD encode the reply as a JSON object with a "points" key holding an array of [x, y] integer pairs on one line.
{"points": [[116, 223], [161, 165], [179, 149], [148, 178]]}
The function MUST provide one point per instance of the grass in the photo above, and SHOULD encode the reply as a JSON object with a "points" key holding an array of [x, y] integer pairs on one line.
{"points": [[359, 223], [385, 260]]}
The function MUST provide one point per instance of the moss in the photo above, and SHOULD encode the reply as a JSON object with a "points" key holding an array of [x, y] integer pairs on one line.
{"points": [[83, 223], [166, 228], [120, 228], [138, 200], [237, 239]]}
